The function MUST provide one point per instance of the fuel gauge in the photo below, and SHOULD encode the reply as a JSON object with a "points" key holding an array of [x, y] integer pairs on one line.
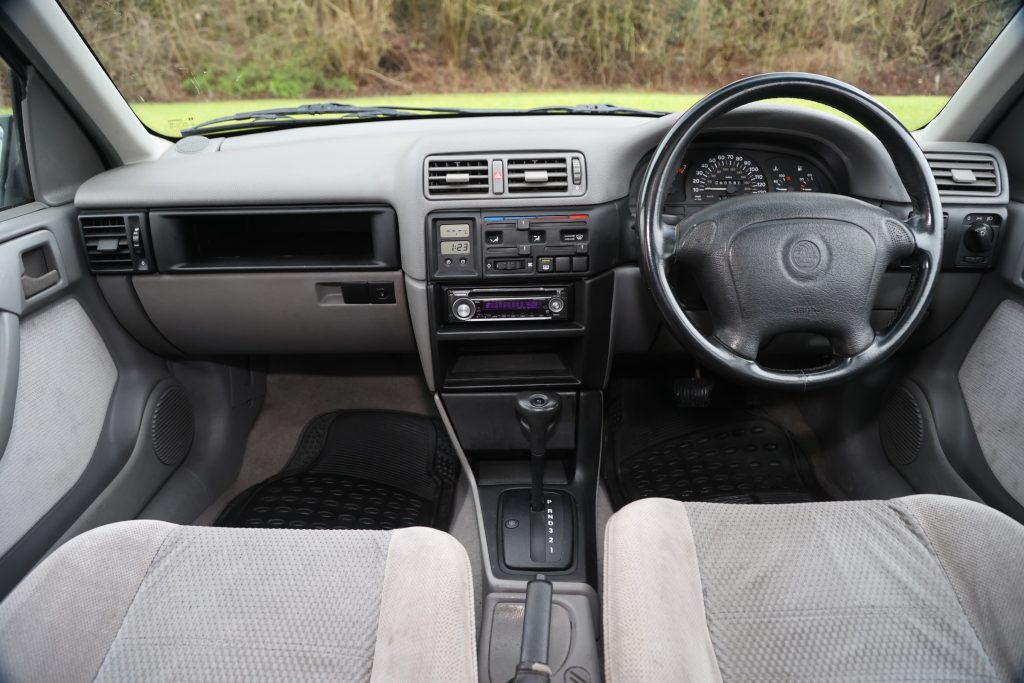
{"points": [[791, 175]]}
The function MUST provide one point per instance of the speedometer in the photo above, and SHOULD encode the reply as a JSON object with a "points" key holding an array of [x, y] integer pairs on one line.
{"points": [[726, 175]]}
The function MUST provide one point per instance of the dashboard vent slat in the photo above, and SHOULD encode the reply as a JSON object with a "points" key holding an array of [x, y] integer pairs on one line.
{"points": [[107, 246], [447, 177], [504, 175], [538, 175], [964, 174]]}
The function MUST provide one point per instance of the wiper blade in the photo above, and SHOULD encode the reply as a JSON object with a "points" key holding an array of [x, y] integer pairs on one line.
{"points": [[596, 109], [262, 118], [287, 117]]}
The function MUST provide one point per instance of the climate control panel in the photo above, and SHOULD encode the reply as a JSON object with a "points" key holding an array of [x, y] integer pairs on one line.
{"points": [[566, 243]]}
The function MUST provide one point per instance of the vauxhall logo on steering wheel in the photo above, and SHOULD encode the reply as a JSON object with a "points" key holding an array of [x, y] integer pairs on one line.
{"points": [[805, 256]]}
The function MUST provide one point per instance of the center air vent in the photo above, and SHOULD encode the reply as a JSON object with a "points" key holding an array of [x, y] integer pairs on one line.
{"points": [[446, 177], [539, 175], [960, 175], [497, 175], [114, 243]]}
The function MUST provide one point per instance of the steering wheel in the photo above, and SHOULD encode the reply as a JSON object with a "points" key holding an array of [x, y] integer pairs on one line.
{"points": [[772, 263]]}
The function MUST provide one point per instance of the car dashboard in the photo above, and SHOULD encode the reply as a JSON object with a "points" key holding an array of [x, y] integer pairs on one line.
{"points": [[502, 250]]}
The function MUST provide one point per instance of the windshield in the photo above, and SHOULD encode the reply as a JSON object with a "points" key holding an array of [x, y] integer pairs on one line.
{"points": [[180, 63]]}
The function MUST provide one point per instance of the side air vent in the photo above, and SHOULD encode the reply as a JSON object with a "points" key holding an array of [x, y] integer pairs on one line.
{"points": [[960, 175], [457, 177], [114, 243]]}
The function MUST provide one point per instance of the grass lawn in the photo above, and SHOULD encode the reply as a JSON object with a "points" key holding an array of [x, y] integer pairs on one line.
{"points": [[170, 117]]}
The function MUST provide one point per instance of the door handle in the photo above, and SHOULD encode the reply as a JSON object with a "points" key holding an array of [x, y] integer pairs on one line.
{"points": [[30, 286]]}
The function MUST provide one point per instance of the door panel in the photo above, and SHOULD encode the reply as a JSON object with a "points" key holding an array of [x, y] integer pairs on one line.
{"points": [[65, 380], [971, 381], [82, 388], [78, 395]]}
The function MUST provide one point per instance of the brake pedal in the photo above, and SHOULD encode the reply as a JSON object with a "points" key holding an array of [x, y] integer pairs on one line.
{"points": [[693, 392]]}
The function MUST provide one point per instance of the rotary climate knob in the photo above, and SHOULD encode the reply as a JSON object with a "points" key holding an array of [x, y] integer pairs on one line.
{"points": [[463, 309]]}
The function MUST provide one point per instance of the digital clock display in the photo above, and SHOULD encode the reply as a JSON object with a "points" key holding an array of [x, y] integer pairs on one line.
{"points": [[459, 248], [512, 306]]}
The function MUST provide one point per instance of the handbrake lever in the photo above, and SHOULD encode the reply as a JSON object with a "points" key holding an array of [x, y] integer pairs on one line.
{"points": [[533, 655]]}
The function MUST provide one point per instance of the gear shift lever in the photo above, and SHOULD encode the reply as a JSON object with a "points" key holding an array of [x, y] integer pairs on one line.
{"points": [[538, 412], [547, 541]]}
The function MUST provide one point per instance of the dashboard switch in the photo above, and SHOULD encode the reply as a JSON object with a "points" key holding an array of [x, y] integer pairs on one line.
{"points": [[545, 264], [497, 177], [562, 264], [580, 264]]}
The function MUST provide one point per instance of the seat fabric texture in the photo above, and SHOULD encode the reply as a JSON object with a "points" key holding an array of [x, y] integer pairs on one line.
{"points": [[922, 588], [151, 601]]}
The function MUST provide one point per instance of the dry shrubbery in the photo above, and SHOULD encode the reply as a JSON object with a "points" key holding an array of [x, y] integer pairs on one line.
{"points": [[172, 49]]}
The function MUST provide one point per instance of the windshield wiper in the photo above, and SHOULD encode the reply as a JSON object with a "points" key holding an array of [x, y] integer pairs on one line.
{"points": [[286, 116], [596, 109]]}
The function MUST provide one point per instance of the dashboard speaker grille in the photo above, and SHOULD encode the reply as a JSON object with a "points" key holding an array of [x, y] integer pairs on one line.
{"points": [[173, 426], [902, 427]]}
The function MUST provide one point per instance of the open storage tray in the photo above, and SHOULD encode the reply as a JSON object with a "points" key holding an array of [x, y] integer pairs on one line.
{"points": [[275, 238]]}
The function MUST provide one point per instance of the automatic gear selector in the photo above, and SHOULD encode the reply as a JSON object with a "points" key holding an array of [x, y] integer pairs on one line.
{"points": [[546, 542]]}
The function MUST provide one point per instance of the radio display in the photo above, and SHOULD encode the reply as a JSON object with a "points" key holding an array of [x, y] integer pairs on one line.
{"points": [[458, 248], [512, 306]]}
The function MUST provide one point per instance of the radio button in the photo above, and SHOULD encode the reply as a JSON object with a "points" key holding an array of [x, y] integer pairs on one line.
{"points": [[556, 305]]}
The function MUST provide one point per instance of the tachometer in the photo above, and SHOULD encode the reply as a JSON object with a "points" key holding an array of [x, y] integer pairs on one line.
{"points": [[726, 175]]}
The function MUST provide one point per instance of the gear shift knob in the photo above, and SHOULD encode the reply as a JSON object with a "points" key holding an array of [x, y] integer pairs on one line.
{"points": [[538, 412]]}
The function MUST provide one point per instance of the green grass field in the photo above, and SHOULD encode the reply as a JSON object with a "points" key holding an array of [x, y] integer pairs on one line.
{"points": [[170, 117]]}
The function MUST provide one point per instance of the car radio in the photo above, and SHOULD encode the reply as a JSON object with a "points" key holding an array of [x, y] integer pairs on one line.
{"points": [[496, 304]]}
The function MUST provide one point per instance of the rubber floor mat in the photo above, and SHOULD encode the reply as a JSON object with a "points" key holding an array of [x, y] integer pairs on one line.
{"points": [[721, 454], [357, 470]]}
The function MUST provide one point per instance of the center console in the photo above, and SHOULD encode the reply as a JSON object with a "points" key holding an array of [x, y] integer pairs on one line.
{"points": [[520, 304], [522, 298]]}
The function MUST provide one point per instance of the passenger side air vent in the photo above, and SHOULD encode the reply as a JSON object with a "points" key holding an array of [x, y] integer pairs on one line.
{"points": [[114, 243], [538, 175], [960, 175], [450, 177]]}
